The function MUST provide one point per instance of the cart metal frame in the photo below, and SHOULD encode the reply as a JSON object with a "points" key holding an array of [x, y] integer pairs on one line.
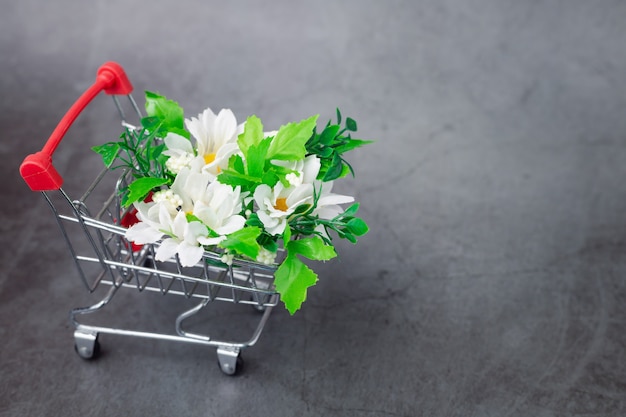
{"points": [[104, 258]]}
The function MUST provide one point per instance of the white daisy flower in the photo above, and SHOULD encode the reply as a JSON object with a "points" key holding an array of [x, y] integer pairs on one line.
{"points": [[216, 138], [156, 221], [278, 203]]}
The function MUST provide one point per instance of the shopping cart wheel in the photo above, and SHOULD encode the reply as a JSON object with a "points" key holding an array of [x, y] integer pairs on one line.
{"points": [[259, 308], [229, 360], [86, 344], [258, 303]]}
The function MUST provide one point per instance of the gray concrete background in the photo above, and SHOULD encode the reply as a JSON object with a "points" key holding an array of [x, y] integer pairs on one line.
{"points": [[492, 282]]}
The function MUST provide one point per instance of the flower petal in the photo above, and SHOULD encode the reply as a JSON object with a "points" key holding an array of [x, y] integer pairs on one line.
{"points": [[272, 225], [328, 212], [224, 129], [278, 229], [188, 254], [200, 129], [226, 151], [179, 225], [142, 233], [174, 141], [299, 196], [206, 214], [143, 210], [193, 231], [165, 217], [196, 186], [166, 250], [329, 199], [311, 168], [232, 224], [210, 241], [261, 194], [268, 222]]}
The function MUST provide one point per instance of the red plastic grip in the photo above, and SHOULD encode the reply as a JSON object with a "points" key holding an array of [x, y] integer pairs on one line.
{"points": [[37, 169]]}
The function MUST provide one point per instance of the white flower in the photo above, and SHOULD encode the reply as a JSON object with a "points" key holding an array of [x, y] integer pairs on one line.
{"points": [[190, 187], [266, 257], [216, 138], [156, 220], [183, 241], [149, 229], [216, 205], [278, 203], [180, 152], [219, 209], [169, 199]]}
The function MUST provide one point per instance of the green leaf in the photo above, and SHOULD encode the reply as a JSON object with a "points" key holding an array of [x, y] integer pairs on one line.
{"points": [[270, 245], [192, 218], [140, 188], [108, 152], [346, 169], [256, 157], [293, 278], [357, 226], [328, 135], [338, 116], [312, 248], [352, 144], [289, 143], [252, 134], [326, 152], [168, 112], [150, 123], [270, 178], [350, 124], [156, 151], [216, 263], [234, 178], [254, 220], [243, 241], [236, 164], [335, 169], [313, 142], [350, 211], [303, 208], [287, 234], [350, 237]]}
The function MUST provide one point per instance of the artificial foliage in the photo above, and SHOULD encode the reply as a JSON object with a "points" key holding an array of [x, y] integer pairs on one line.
{"points": [[208, 184]]}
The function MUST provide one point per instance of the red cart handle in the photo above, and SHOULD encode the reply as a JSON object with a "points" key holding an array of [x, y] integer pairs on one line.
{"points": [[37, 169]]}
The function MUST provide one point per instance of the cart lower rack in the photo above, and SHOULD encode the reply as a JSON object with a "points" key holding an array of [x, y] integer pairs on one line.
{"points": [[94, 226]]}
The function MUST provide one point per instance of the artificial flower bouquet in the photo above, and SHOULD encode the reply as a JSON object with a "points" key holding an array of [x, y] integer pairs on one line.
{"points": [[209, 184]]}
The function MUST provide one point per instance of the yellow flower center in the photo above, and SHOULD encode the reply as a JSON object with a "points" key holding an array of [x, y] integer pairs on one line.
{"points": [[281, 204], [209, 158]]}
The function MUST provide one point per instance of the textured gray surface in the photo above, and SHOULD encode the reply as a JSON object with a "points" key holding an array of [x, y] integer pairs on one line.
{"points": [[493, 280]]}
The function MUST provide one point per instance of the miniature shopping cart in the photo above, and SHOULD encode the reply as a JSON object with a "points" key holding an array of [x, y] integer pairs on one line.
{"points": [[94, 226]]}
